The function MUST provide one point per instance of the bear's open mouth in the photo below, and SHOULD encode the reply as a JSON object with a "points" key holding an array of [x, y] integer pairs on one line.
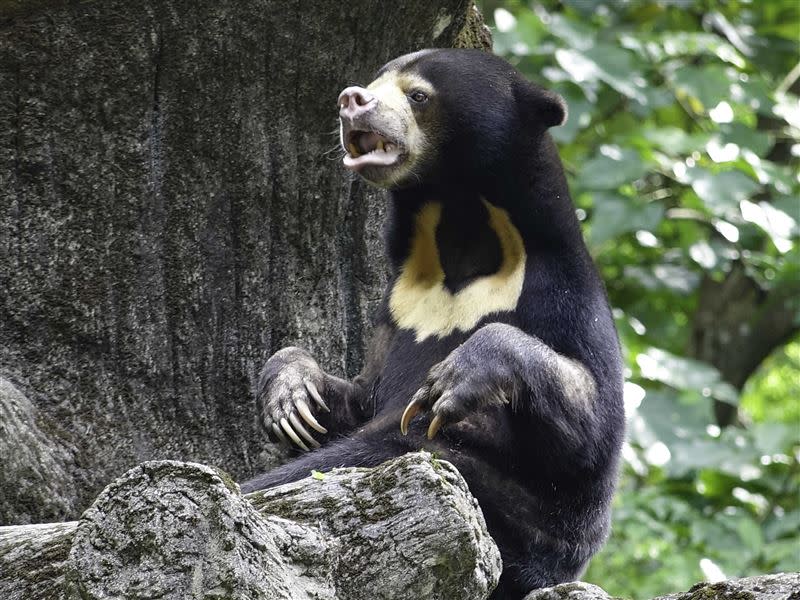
{"points": [[367, 147]]}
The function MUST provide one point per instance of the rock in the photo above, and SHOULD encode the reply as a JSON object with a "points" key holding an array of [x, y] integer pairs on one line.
{"points": [[170, 530], [781, 586], [33, 560], [37, 465], [408, 528], [577, 590]]}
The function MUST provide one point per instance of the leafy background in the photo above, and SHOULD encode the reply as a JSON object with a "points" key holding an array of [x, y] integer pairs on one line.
{"points": [[682, 150]]}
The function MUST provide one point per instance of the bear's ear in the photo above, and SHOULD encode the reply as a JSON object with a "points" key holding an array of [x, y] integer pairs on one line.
{"points": [[554, 109], [541, 106]]}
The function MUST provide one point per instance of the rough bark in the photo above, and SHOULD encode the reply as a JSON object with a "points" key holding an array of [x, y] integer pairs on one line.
{"points": [[173, 211], [165, 529]]}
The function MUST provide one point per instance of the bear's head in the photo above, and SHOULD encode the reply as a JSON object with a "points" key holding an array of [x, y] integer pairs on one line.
{"points": [[439, 115]]}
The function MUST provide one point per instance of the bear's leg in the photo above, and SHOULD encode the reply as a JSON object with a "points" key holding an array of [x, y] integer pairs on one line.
{"points": [[538, 569], [356, 451]]}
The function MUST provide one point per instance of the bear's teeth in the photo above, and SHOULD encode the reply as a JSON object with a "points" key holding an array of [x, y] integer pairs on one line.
{"points": [[379, 145]]}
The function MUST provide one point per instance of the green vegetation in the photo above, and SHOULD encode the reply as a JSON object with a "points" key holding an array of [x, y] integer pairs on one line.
{"points": [[682, 150]]}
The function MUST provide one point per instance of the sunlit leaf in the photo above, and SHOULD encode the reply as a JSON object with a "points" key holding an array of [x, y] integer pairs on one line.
{"points": [[614, 214], [675, 278], [779, 225], [708, 85], [611, 168], [575, 33], [722, 192], [606, 63], [692, 43], [685, 374]]}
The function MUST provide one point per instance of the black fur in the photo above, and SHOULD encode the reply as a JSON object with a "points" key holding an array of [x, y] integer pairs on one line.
{"points": [[543, 465]]}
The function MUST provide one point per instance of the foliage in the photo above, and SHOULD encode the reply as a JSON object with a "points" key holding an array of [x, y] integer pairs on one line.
{"points": [[682, 150]]}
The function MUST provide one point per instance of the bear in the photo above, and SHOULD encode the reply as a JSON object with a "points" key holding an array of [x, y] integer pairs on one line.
{"points": [[494, 346]]}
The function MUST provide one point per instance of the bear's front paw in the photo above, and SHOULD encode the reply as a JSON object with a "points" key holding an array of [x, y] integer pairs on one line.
{"points": [[455, 388], [289, 388]]}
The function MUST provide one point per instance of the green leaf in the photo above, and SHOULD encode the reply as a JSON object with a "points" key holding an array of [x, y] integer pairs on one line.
{"points": [[611, 168], [579, 114], [704, 255], [675, 278], [777, 224], [781, 177], [750, 533], [692, 43], [519, 34], [782, 555], [675, 141], [317, 475], [775, 438], [614, 214], [758, 142], [722, 192], [685, 374], [575, 33], [662, 418], [786, 108], [708, 85], [780, 525], [603, 62]]}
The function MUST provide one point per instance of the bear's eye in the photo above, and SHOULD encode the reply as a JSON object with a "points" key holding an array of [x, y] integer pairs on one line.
{"points": [[418, 97]]}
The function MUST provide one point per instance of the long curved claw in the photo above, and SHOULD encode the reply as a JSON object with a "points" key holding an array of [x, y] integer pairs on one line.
{"points": [[312, 389], [290, 432], [411, 411], [435, 425], [298, 427], [305, 412], [280, 435]]}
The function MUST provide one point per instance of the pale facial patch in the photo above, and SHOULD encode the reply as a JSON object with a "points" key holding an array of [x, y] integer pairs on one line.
{"points": [[397, 117], [420, 301]]}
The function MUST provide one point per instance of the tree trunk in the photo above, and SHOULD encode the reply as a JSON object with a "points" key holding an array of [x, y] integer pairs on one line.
{"points": [[737, 324], [165, 529], [173, 211]]}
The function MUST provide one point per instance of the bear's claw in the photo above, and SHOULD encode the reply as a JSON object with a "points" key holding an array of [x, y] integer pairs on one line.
{"points": [[305, 412], [436, 423], [411, 411], [290, 432], [312, 389], [298, 427]]}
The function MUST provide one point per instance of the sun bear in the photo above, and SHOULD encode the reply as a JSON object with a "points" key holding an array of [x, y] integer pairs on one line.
{"points": [[494, 346]]}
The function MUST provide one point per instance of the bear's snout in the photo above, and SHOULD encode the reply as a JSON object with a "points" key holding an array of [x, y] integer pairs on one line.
{"points": [[355, 101]]}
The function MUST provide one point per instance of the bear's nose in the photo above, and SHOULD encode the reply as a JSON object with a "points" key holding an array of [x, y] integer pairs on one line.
{"points": [[354, 101]]}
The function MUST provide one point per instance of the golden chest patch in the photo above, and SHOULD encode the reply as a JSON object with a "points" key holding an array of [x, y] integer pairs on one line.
{"points": [[420, 301]]}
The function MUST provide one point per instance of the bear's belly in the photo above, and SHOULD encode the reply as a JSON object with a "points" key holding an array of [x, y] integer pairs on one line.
{"points": [[404, 372], [407, 364]]}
